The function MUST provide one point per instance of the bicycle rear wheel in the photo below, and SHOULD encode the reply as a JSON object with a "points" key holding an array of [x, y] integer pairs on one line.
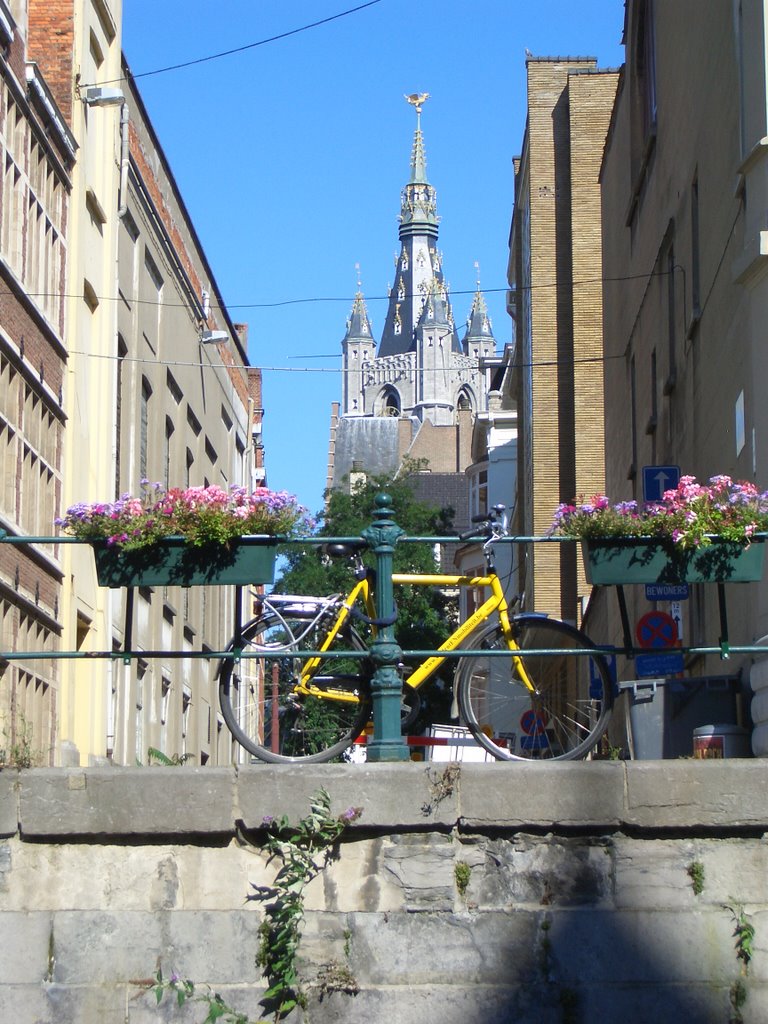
{"points": [[266, 715], [566, 714]]}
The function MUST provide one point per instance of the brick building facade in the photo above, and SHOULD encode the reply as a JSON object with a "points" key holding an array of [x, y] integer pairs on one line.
{"points": [[555, 299], [38, 155]]}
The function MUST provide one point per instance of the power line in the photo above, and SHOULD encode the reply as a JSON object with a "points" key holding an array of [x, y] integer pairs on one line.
{"points": [[242, 49], [544, 363], [308, 300]]}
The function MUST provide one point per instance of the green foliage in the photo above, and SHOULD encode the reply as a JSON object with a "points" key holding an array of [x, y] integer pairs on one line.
{"points": [[425, 614], [744, 934], [738, 996], [182, 990], [18, 750], [155, 756], [696, 874], [304, 849], [462, 872]]}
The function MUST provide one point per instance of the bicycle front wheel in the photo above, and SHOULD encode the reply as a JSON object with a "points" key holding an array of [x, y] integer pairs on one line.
{"points": [[565, 714], [261, 705]]}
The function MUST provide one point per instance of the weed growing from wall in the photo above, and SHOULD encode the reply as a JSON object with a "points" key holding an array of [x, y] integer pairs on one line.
{"points": [[738, 997], [442, 784], [462, 873], [696, 875], [304, 850], [18, 750], [744, 934]]}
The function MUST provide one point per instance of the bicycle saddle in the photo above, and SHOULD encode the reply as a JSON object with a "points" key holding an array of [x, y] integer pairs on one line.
{"points": [[344, 549]]}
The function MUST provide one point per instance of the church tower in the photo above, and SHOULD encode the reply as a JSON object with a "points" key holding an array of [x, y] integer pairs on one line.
{"points": [[358, 348], [416, 394]]}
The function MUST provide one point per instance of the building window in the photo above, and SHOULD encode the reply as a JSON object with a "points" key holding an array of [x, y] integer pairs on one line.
{"points": [[389, 403], [122, 352], [186, 704], [478, 490], [632, 470], [642, 97], [151, 297], [671, 378], [167, 448], [146, 392], [695, 251], [739, 423], [645, 65]]}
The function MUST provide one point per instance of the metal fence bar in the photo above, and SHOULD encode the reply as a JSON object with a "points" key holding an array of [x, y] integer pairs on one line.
{"points": [[272, 654]]}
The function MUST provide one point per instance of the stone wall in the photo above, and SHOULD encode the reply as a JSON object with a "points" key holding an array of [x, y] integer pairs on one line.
{"points": [[579, 906]]}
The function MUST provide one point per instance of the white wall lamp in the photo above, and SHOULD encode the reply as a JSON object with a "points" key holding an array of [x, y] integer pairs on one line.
{"points": [[213, 337], [101, 96]]}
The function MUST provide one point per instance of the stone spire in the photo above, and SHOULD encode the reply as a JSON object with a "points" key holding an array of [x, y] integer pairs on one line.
{"points": [[418, 201], [359, 323], [419, 262], [479, 328], [358, 348]]}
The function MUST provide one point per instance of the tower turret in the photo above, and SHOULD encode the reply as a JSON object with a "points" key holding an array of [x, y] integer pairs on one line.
{"points": [[358, 348], [479, 341]]}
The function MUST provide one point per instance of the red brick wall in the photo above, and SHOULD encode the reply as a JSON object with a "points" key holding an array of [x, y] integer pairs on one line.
{"points": [[51, 43]]}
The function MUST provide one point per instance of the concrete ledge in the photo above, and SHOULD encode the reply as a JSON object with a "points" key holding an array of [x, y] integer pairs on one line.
{"points": [[516, 795], [125, 801], [599, 795], [391, 795], [9, 803], [691, 794]]}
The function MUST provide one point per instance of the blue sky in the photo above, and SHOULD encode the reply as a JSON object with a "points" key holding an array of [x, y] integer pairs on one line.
{"points": [[291, 157]]}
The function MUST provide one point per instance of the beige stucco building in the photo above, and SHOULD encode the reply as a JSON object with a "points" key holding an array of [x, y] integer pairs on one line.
{"points": [[685, 254], [119, 364], [555, 300]]}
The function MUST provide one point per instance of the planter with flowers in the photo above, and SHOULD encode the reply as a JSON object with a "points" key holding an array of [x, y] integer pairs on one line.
{"points": [[697, 533], [194, 536]]}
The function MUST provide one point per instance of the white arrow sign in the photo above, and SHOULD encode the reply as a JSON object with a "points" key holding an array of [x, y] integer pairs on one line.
{"points": [[676, 611]]}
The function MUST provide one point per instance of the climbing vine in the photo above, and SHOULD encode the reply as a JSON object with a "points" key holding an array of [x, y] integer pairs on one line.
{"points": [[304, 850]]}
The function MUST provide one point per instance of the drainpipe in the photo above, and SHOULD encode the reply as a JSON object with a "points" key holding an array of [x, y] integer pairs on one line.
{"points": [[122, 196]]}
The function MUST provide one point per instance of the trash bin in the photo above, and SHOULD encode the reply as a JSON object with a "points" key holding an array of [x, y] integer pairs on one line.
{"points": [[724, 740], [648, 718], [665, 712]]}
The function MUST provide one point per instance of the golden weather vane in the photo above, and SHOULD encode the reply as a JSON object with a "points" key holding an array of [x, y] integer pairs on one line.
{"points": [[417, 99]]}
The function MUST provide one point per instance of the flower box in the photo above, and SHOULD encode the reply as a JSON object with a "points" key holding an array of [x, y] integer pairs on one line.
{"points": [[625, 560], [172, 561]]}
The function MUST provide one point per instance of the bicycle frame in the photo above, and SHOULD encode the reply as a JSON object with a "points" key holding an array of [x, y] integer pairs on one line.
{"points": [[495, 603]]}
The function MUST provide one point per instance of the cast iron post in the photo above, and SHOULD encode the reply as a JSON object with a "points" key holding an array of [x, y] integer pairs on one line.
{"points": [[386, 685]]}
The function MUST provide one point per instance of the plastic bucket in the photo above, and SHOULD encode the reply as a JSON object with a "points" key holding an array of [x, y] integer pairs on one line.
{"points": [[719, 741]]}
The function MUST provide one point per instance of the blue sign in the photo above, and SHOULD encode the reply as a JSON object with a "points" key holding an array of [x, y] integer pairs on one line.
{"points": [[657, 479], [596, 680], [656, 630], [656, 666], [666, 591]]}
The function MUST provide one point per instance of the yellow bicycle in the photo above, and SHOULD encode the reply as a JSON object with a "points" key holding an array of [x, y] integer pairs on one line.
{"points": [[529, 686]]}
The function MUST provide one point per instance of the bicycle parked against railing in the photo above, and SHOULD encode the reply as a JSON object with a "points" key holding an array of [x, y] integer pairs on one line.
{"points": [[528, 689]]}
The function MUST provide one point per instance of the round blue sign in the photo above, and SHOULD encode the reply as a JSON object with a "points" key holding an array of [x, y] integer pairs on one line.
{"points": [[656, 630]]}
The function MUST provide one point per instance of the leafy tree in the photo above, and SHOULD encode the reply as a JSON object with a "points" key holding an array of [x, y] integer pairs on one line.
{"points": [[425, 614]]}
